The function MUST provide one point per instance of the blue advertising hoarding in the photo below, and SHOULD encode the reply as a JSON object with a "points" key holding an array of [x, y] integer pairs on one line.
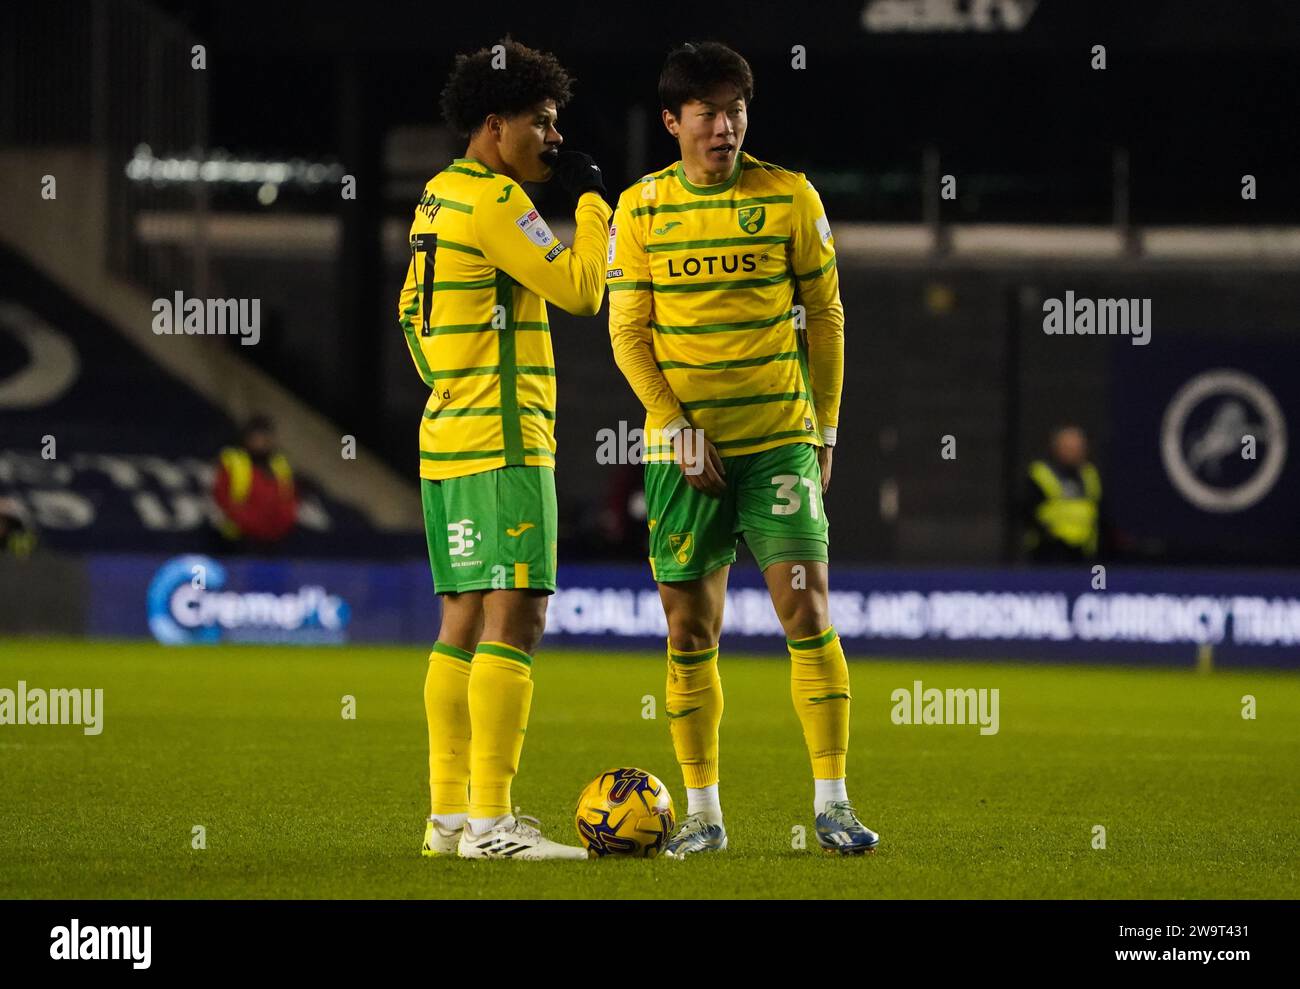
{"points": [[1148, 616]]}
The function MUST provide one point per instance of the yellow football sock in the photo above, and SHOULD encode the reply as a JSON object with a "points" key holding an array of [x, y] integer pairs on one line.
{"points": [[819, 685], [500, 692], [694, 709], [446, 708]]}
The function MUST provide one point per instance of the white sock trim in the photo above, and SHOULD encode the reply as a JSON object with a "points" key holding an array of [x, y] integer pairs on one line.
{"points": [[704, 800], [480, 824], [824, 791]]}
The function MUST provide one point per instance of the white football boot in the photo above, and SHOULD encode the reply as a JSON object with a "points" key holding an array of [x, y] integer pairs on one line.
{"points": [[439, 840], [514, 837]]}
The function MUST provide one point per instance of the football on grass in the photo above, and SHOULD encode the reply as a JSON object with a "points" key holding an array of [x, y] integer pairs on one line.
{"points": [[625, 812]]}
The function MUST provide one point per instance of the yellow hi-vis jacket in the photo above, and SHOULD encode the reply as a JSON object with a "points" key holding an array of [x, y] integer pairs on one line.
{"points": [[1074, 521]]}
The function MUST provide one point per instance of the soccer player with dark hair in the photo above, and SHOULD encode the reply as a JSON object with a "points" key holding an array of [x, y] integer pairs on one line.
{"points": [[726, 320], [484, 264]]}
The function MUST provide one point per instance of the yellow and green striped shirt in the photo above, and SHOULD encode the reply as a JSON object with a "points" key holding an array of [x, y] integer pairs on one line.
{"points": [[473, 309], [724, 308]]}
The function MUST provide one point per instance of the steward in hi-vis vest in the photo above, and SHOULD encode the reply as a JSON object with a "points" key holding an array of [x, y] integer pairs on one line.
{"points": [[1063, 503], [254, 488]]}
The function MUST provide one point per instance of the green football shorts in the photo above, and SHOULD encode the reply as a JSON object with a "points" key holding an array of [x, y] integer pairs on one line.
{"points": [[492, 531], [773, 500]]}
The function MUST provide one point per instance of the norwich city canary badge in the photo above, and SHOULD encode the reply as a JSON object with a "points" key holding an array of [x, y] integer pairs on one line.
{"points": [[751, 218], [682, 545]]}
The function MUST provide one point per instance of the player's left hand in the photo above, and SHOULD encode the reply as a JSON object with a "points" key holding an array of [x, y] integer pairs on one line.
{"points": [[824, 462]]}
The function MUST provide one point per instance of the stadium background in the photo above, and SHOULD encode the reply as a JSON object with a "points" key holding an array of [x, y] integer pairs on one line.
{"points": [[1124, 182], [1122, 717]]}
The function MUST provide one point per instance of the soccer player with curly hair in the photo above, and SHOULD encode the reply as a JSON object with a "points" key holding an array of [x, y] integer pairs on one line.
{"points": [[484, 265]]}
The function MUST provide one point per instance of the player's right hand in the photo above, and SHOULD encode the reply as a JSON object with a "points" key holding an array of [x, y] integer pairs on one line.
{"points": [[576, 172], [700, 461]]}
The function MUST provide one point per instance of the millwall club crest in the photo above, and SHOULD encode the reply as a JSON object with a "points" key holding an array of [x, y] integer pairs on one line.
{"points": [[682, 545], [751, 218], [1223, 440]]}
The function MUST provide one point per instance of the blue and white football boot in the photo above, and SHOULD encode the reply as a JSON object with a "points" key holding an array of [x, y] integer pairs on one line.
{"points": [[695, 835], [839, 831]]}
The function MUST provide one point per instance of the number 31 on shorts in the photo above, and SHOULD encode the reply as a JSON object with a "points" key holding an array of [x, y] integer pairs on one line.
{"points": [[787, 492]]}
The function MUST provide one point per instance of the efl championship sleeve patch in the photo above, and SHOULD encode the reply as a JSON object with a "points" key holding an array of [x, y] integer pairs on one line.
{"points": [[613, 241], [823, 229], [535, 228]]}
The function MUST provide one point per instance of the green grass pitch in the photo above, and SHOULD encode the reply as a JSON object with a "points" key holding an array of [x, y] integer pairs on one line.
{"points": [[249, 742]]}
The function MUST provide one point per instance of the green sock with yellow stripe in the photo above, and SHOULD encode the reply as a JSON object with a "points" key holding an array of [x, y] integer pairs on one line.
{"points": [[500, 694], [819, 686]]}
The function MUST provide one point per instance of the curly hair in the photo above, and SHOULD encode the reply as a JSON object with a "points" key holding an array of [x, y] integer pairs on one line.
{"points": [[693, 71], [476, 88]]}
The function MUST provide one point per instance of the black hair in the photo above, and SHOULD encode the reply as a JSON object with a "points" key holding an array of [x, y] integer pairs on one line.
{"points": [[476, 87], [694, 71]]}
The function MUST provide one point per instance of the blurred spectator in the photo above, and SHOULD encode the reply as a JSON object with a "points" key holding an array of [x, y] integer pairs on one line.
{"points": [[622, 517], [255, 489], [17, 534], [1062, 506]]}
